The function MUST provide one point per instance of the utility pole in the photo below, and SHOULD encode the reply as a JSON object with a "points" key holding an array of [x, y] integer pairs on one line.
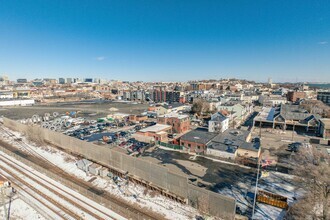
{"points": [[294, 123], [3, 203], [232, 116], [256, 190]]}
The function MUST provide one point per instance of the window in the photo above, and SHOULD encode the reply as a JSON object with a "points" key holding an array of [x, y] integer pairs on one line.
{"points": [[189, 145]]}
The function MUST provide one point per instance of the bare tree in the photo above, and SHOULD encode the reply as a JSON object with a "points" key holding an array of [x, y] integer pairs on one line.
{"points": [[199, 106], [316, 107], [312, 170]]}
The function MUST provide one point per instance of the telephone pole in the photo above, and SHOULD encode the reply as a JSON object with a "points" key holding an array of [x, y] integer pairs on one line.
{"points": [[294, 123]]}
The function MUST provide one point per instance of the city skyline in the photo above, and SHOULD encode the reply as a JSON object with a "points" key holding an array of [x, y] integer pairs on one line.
{"points": [[176, 41]]}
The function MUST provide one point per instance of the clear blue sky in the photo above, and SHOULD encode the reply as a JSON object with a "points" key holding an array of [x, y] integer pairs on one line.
{"points": [[166, 40]]}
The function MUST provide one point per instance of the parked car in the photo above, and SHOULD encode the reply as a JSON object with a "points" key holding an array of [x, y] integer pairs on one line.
{"points": [[256, 140], [294, 147]]}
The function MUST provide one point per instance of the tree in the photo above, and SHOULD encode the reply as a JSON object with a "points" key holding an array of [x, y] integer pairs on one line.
{"points": [[312, 170], [316, 107], [199, 106]]}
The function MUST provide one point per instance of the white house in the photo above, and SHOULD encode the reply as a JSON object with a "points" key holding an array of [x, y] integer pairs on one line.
{"points": [[218, 123]]}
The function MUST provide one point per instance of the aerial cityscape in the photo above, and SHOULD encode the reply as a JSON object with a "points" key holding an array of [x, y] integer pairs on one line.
{"points": [[165, 110]]}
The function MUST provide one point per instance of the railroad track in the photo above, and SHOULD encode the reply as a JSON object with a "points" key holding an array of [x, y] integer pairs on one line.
{"points": [[122, 207], [50, 211], [45, 200], [73, 205]]}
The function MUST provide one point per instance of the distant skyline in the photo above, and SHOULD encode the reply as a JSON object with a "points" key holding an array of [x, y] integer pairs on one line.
{"points": [[166, 40]]}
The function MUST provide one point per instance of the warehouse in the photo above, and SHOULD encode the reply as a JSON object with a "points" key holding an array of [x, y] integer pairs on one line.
{"points": [[17, 102]]}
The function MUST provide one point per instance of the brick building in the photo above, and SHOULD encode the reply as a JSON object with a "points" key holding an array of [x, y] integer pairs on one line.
{"points": [[179, 123], [137, 118], [159, 94], [294, 96], [196, 140], [158, 132]]}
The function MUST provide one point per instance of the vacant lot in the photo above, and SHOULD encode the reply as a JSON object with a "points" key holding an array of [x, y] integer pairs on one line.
{"points": [[97, 109]]}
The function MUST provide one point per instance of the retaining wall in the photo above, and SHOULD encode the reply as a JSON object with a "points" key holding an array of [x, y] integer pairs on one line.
{"points": [[209, 202]]}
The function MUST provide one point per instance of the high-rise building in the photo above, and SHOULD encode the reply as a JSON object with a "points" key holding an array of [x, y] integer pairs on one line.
{"points": [[173, 96], [76, 80], [61, 81], [159, 94], [324, 97], [21, 80], [88, 80], [69, 80], [4, 80], [138, 95], [270, 80]]}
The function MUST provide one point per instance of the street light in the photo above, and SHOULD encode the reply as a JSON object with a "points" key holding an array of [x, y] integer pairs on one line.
{"points": [[294, 123]]}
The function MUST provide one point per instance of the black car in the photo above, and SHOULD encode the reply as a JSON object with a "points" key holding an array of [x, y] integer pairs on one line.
{"points": [[256, 140], [294, 147]]}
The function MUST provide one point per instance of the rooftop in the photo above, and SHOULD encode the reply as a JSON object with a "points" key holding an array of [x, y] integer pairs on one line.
{"points": [[174, 115], [326, 122], [218, 117], [199, 135], [229, 140], [156, 128], [173, 105], [249, 146], [288, 112]]}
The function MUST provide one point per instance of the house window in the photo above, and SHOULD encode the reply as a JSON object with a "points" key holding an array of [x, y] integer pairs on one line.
{"points": [[189, 145]]}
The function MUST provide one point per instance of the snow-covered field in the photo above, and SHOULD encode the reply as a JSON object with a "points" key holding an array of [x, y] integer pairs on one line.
{"points": [[135, 194], [19, 210]]}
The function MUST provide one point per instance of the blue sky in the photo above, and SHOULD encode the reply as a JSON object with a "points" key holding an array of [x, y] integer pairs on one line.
{"points": [[166, 40]]}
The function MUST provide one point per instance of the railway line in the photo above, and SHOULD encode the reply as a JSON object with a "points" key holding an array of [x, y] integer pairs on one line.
{"points": [[121, 207], [71, 204]]}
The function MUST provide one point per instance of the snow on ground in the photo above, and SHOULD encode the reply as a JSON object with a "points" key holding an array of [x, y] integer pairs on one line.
{"points": [[160, 204], [20, 210], [278, 183], [275, 182], [65, 192]]}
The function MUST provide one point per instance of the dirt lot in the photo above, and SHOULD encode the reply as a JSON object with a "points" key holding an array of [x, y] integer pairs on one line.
{"points": [[97, 109]]}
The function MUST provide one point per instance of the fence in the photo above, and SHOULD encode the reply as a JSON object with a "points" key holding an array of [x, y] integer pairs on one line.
{"points": [[154, 174], [172, 146], [81, 190]]}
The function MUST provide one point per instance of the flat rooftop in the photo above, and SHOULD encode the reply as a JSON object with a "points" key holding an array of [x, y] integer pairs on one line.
{"points": [[174, 115], [156, 128], [326, 122], [199, 135]]}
